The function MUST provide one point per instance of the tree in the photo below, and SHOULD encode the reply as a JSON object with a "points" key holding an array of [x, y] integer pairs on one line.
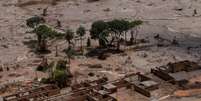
{"points": [[125, 28], [81, 32], [97, 28], [88, 42], [70, 52], [118, 27], [134, 24], [103, 41], [69, 36], [60, 78], [34, 21], [59, 74], [44, 33], [45, 11], [98, 31]]}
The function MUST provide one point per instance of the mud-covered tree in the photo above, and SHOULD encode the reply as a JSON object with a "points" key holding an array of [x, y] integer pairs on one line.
{"points": [[121, 27], [88, 42], [60, 73], [60, 78], [118, 28], [45, 11], [98, 31], [81, 31], [69, 35], [125, 28], [42, 31], [45, 33], [103, 41], [114, 28], [134, 33], [70, 52], [34, 21]]}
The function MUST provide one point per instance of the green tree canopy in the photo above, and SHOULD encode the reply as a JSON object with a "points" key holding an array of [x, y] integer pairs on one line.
{"points": [[135, 23], [81, 31], [118, 26], [69, 35], [70, 52], [60, 77], [97, 28], [100, 29], [34, 21], [44, 33], [114, 25]]}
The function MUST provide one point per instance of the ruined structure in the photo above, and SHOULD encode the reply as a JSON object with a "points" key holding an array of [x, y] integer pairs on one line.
{"points": [[178, 73], [142, 84], [33, 94]]}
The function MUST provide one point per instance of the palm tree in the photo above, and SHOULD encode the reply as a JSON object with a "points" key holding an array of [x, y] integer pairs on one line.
{"points": [[69, 36], [81, 32]]}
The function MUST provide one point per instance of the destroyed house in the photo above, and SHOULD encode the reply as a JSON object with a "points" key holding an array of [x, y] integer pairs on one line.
{"points": [[89, 83], [178, 73], [183, 66], [100, 95], [142, 84], [111, 88], [33, 94]]}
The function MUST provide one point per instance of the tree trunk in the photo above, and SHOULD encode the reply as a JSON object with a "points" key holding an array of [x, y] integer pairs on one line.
{"points": [[118, 41], [39, 41], [81, 45], [125, 36], [43, 45], [125, 40], [111, 42], [56, 54], [69, 43], [136, 34], [69, 61], [118, 45], [132, 37]]}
